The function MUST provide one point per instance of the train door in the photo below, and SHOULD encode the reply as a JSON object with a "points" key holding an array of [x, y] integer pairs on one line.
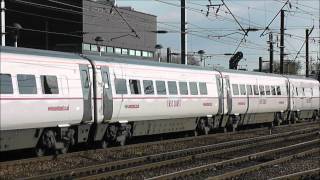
{"points": [[307, 98], [255, 103], [227, 95], [86, 93], [220, 91], [107, 103], [317, 91], [300, 98], [65, 85], [289, 99], [292, 97], [248, 90]]}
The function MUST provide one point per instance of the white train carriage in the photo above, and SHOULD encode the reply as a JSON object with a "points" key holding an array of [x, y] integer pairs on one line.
{"points": [[51, 100], [39, 91], [304, 98], [253, 97], [151, 98]]}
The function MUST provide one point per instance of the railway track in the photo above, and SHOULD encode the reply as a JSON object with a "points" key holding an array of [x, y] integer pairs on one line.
{"points": [[91, 164], [306, 166], [142, 164], [155, 169], [308, 174], [277, 159]]}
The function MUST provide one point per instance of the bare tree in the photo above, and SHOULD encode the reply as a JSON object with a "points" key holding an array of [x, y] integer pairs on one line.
{"points": [[177, 60], [290, 67]]}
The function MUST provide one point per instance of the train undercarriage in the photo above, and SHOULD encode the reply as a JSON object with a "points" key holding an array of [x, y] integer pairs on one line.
{"points": [[60, 139]]}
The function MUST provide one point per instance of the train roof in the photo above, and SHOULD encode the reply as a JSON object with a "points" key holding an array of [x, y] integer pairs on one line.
{"points": [[134, 60]]}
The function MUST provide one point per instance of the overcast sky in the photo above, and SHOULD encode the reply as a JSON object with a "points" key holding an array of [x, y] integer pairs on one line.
{"points": [[219, 33]]}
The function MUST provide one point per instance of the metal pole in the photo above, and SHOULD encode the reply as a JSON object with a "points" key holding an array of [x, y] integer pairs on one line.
{"points": [[271, 53], [159, 55], [46, 34], [201, 60], [307, 52], [3, 24], [260, 64], [281, 41], [184, 59], [168, 55]]}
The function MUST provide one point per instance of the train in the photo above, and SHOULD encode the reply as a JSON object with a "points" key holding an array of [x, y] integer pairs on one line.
{"points": [[55, 100]]}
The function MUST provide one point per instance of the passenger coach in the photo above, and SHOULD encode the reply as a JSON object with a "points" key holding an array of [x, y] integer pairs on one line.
{"points": [[53, 100]]}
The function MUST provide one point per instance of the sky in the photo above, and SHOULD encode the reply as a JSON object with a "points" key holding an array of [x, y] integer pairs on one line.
{"points": [[219, 33]]}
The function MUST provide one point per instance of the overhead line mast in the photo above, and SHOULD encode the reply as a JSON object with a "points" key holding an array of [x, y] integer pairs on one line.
{"points": [[3, 24], [184, 59], [281, 41]]}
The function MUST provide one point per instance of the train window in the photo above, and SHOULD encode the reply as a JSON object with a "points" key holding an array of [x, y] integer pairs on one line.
{"points": [[278, 90], [6, 84], [85, 77], [49, 84], [132, 52], [273, 90], [117, 50], [243, 89], [235, 89], [249, 89], [268, 92], [120, 86], [193, 88], [105, 78], [311, 92], [138, 53], [144, 53], [86, 47], [124, 51], [297, 93], [27, 84], [203, 88], [161, 88], [256, 90], [94, 47], [148, 87], [183, 87], [172, 85], [109, 49], [302, 90], [135, 86], [262, 90]]}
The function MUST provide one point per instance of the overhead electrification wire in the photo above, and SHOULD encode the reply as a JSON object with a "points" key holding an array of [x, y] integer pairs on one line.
{"points": [[262, 34], [129, 16]]}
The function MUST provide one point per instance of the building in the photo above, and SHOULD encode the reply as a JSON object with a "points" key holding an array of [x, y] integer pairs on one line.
{"points": [[73, 26]]}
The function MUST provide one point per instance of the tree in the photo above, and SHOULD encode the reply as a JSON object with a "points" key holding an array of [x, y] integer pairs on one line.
{"points": [[289, 67], [315, 70], [177, 60]]}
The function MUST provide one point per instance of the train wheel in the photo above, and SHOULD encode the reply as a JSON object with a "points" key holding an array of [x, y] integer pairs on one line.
{"points": [[294, 118], [39, 151], [65, 148], [46, 143], [104, 144], [279, 119], [122, 142], [196, 133], [225, 129], [234, 123], [202, 128], [314, 116]]}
